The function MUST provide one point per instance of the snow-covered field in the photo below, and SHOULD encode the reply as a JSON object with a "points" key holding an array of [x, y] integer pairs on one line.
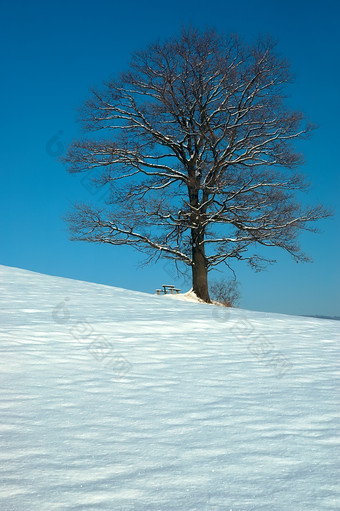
{"points": [[117, 400]]}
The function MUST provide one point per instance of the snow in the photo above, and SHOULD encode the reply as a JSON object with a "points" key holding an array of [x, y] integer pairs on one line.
{"points": [[117, 400], [189, 296]]}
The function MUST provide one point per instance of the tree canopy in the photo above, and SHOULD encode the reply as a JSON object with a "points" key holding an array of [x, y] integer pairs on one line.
{"points": [[196, 143]]}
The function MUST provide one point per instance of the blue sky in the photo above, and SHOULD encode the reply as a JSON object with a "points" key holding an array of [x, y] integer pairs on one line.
{"points": [[53, 53]]}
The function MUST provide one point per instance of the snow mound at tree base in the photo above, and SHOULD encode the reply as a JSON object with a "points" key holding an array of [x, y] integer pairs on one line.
{"points": [[189, 296]]}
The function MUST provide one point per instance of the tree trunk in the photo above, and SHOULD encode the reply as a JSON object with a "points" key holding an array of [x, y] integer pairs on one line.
{"points": [[199, 268], [199, 262]]}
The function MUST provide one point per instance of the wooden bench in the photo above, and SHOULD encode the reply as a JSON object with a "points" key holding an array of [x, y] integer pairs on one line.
{"points": [[167, 288]]}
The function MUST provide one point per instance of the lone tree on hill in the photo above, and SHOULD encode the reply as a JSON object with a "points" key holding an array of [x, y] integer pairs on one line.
{"points": [[194, 142]]}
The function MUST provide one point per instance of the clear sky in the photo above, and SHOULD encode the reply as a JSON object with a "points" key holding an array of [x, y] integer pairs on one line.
{"points": [[52, 53]]}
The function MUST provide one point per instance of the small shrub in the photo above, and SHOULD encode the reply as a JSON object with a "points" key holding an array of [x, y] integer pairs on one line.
{"points": [[225, 292]]}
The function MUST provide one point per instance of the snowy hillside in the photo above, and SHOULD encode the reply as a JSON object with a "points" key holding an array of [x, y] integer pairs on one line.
{"points": [[117, 400]]}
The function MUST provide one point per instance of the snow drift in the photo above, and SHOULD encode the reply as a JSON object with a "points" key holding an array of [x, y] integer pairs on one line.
{"points": [[117, 400]]}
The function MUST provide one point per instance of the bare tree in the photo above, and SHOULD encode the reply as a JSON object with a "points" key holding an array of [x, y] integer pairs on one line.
{"points": [[196, 145]]}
